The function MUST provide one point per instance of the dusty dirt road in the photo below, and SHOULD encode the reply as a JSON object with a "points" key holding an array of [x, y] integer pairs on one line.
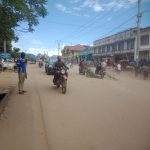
{"points": [[93, 115]]}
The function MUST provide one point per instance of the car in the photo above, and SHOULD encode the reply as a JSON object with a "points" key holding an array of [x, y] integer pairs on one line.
{"points": [[9, 64], [49, 67], [32, 61]]}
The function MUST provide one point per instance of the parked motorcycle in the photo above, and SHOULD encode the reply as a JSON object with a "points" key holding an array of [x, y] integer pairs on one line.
{"points": [[1, 67], [62, 76]]}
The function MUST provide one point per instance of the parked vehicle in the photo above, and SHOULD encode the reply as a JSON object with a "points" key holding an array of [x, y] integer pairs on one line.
{"points": [[1, 67], [49, 69], [9, 64], [49, 66], [32, 61], [127, 65], [62, 76]]}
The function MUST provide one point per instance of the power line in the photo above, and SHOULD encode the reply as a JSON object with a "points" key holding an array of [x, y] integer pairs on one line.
{"points": [[122, 24], [84, 26], [92, 29], [65, 24]]}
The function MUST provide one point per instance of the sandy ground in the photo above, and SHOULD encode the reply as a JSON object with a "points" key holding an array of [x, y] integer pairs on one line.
{"points": [[7, 79], [94, 114]]}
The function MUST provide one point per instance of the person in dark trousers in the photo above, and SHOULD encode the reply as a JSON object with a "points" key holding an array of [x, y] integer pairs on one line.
{"points": [[22, 73], [58, 65]]}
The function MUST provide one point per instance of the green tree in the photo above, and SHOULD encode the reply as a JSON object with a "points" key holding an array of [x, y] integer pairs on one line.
{"points": [[15, 53], [14, 12]]}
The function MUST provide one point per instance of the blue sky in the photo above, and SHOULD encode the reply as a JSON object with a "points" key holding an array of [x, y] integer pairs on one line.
{"points": [[80, 22]]}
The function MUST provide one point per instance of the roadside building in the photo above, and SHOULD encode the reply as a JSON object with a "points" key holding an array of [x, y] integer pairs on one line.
{"points": [[87, 54], [72, 53], [122, 45]]}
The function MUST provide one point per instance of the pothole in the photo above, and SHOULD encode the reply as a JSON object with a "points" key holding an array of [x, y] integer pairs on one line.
{"points": [[3, 101], [2, 96]]}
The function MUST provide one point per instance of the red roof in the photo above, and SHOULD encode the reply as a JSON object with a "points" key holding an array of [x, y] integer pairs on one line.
{"points": [[76, 47]]}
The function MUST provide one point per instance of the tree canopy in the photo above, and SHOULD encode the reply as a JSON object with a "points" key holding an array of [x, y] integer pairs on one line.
{"points": [[14, 12]]}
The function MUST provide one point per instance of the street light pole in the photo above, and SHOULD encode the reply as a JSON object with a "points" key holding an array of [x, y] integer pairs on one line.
{"points": [[139, 15], [58, 43]]}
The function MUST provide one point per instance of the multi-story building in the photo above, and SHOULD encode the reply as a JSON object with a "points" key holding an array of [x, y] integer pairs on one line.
{"points": [[123, 44]]}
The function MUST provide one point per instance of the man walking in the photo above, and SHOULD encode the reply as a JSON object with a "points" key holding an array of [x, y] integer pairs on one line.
{"points": [[22, 74]]}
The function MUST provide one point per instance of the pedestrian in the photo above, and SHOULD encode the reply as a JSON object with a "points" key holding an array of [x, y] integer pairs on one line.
{"points": [[22, 74], [119, 67], [104, 65], [145, 70]]}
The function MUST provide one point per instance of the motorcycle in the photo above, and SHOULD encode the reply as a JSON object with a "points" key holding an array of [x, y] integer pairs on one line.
{"points": [[100, 71], [1, 67], [40, 64], [82, 70], [62, 76]]}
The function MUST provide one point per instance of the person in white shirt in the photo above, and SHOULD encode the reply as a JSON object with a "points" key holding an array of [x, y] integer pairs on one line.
{"points": [[104, 65], [119, 67]]}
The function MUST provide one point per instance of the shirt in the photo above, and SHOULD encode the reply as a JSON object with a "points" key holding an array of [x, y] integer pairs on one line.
{"points": [[59, 64], [119, 67], [22, 65]]}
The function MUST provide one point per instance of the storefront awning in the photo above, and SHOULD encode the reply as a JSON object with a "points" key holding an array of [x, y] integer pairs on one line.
{"points": [[86, 52]]}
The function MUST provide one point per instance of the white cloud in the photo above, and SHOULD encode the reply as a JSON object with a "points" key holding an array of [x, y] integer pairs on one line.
{"points": [[75, 1], [94, 4], [73, 11], [97, 7], [115, 5], [50, 51], [62, 8]]}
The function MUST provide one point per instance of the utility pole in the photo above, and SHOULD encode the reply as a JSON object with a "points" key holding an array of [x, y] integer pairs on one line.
{"points": [[5, 47], [139, 15], [58, 43]]}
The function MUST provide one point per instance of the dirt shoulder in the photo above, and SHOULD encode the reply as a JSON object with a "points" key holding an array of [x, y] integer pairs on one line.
{"points": [[8, 79]]}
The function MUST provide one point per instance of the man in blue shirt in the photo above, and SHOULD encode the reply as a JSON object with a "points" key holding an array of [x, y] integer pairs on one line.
{"points": [[22, 74]]}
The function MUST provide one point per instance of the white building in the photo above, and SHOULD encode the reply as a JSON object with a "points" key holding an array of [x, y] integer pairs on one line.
{"points": [[123, 44]]}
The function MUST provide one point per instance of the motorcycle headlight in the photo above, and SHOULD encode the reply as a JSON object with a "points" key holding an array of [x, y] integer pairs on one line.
{"points": [[63, 71]]}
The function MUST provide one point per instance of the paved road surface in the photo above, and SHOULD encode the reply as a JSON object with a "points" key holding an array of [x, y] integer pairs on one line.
{"points": [[93, 115]]}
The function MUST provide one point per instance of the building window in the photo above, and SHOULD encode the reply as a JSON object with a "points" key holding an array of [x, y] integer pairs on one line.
{"points": [[99, 50], [114, 47], [130, 44], [145, 40], [103, 49], [108, 48], [121, 46]]}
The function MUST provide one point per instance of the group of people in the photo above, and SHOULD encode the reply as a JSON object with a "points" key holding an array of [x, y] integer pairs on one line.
{"points": [[142, 67], [22, 73]]}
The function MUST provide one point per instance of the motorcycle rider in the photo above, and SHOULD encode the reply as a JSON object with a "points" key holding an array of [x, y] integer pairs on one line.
{"points": [[82, 66], [98, 67], [40, 62], [58, 65]]}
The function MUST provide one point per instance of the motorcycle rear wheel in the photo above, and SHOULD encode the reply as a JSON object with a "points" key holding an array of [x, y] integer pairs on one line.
{"points": [[58, 85], [64, 86]]}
